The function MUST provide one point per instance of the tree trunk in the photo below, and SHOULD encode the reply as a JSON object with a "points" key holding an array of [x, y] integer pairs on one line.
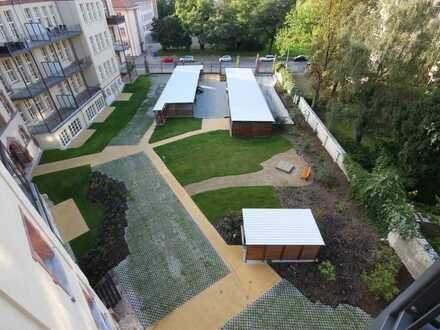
{"points": [[202, 45], [334, 88]]}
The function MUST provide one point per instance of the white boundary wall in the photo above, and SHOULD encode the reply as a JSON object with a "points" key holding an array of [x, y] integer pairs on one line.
{"points": [[334, 149]]}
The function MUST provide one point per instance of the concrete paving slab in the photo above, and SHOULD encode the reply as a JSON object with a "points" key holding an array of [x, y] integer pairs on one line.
{"points": [[103, 115], [69, 220], [213, 102], [81, 138], [124, 97]]}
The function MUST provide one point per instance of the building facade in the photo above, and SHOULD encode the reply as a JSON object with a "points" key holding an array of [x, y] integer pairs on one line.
{"points": [[58, 65], [138, 19], [14, 135], [41, 287]]}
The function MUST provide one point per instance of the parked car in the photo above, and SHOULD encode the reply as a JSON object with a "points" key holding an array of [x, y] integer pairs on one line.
{"points": [[168, 59], [268, 58], [300, 58], [225, 58], [186, 59]]}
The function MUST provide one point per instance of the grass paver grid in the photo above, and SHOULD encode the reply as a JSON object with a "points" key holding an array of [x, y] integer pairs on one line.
{"points": [[285, 307], [141, 121], [170, 259]]}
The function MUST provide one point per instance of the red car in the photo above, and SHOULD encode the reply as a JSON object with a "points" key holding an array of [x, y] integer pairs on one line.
{"points": [[168, 59]]}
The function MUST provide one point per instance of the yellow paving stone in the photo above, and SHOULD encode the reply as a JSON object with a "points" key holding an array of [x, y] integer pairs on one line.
{"points": [[103, 115], [81, 138], [69, 220], [215, 124], [124, 97]]}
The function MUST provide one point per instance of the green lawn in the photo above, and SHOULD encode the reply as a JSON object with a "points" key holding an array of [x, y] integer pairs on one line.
{"points": [[119, 118], [175, 126], [216, 153], [217, 203], [73, 183]]}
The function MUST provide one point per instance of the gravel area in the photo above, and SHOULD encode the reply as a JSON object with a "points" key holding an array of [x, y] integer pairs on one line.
{"points": [[170, 260], [284, 308]]}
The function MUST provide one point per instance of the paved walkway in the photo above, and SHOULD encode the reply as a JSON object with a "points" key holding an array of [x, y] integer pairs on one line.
{"points": [[268, 176]]}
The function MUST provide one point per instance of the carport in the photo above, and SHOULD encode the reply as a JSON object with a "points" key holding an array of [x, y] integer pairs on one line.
{"points": [[280, 235], [250, 115], [179, 95]]}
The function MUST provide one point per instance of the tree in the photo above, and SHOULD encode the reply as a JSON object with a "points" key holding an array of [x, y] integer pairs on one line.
{"points": [[165, 8], [417, 135], [170, 33], [298, 29], [389, 50], [195, 15]]}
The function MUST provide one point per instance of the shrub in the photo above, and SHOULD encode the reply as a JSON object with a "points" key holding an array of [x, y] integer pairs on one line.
{"points": [[341, 206], [383, 197], [326, 177], [230, 228], [111, 247], [287, 82], [328, 270], [382, 280]]}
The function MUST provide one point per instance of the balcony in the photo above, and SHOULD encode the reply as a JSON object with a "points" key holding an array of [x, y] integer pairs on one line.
{"points": [[120, 46], [59, 117], [54, 75], [38, 36], [115, 19]]}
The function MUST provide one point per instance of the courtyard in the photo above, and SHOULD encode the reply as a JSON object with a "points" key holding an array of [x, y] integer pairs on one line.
{"points": [[178, 264]]}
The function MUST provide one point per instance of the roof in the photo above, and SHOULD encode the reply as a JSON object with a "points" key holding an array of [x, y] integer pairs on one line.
{"points": [[246, 101], [181, 87], [281, 227]]}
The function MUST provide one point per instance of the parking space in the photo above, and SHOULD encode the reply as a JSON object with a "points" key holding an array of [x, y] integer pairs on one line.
{"points": [[213, 101]]}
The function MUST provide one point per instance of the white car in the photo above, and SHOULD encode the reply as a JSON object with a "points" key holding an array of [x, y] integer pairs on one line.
{"points": [[268, 58], [187, 59], [225, 58]]}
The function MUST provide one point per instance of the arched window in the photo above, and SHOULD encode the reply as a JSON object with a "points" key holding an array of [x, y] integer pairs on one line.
{"points": [[23, 134]]}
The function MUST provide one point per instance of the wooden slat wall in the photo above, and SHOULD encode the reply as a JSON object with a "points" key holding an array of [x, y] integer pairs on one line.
{"points": [[282, 252], [251, 129], [310, 252], [255, 252]]}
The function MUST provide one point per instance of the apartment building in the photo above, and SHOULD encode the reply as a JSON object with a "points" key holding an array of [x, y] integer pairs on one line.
{"points": [[41, 287], [14, 134], [138, 19], [58, 65]]}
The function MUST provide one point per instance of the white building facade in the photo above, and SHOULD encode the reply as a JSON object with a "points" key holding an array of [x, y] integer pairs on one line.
{"points": [[58, 66], [41, 287], [138, 19]]}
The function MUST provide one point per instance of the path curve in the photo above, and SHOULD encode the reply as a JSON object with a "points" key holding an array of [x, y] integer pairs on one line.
{"points": [[268, 176]]}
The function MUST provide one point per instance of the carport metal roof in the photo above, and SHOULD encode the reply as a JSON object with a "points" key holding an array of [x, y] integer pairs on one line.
{"points": [[280, 227], [246, 101], [181, 87]]}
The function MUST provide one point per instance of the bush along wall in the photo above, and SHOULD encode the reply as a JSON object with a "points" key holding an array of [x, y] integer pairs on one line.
{"points": [[384, 198], [111, 247]]}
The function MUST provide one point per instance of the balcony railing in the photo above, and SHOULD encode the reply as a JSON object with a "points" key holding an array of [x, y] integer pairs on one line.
{"points": [[28, 188], [38, 36], [115, 19], [54, 75], [120, 46], [69, 107]]}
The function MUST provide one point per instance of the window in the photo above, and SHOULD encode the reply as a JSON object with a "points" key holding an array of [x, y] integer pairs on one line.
{"points": [[89, 11], [22, 70], [6, 104], [24, 135], [12, 75], [48, 100], [98, 9], [113, 64], [3, 33], [101, 40], [74, 85], [101, 71], [83, 13], [28, 110], [37, 14], [98, 43], [31, 66], [47, 19], [66, 51], [46, 256], [54, 16], [11, 23], [78, 79], [92, 41], [100, 103], [75, 127], [91, 112], [107, 39], [64, 137], [59, 51], [45, 54], [101, 319], [42, 108], [95, 15], [28, 14]]}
